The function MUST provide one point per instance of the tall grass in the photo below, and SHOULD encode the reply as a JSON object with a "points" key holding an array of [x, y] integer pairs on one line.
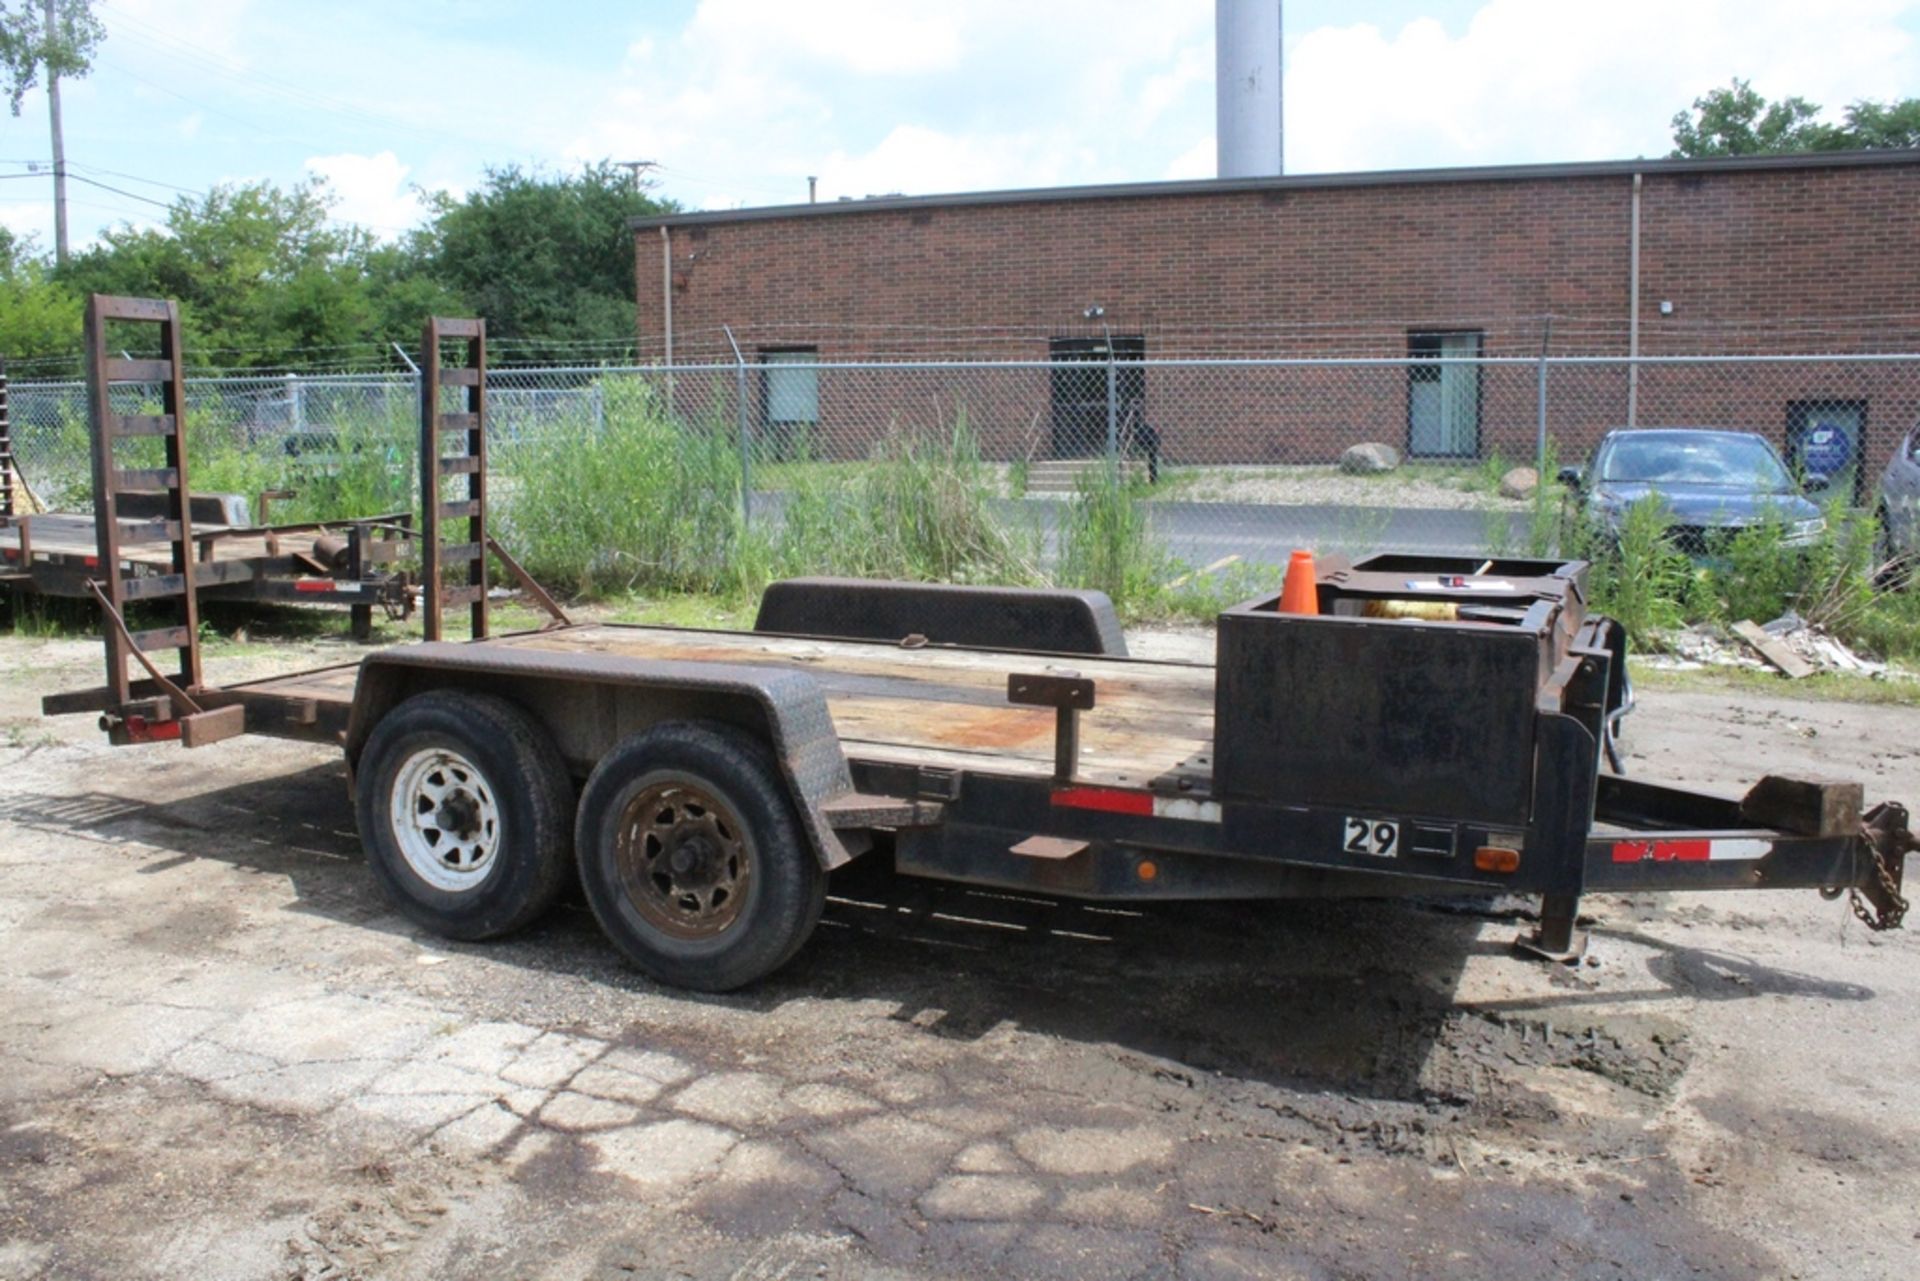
{"points": [[1106, 542], [647, 502], [922, 510], [1638, 576]]}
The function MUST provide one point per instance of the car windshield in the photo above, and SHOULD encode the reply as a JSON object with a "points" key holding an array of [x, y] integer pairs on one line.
{"points": [[1698, 458]]}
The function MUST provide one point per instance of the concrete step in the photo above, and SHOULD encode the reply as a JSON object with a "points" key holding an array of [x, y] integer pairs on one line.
{"points": [[1066, 475]]}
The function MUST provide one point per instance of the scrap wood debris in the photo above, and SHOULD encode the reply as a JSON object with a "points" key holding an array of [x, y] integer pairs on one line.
{"points": [[1789, 645]]}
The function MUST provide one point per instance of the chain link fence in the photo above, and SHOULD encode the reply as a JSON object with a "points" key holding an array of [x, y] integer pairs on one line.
{"points": [[1237, 461]]}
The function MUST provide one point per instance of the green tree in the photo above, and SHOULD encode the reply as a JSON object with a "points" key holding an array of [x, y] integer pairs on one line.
{"points": [[547, 259], [39, 317], [25, 48], [1737, 121], [264, 278], [1885, 124]]}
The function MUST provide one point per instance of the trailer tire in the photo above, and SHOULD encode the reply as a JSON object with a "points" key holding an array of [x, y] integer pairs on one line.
{"points": [[490, 846], [693, 859]]}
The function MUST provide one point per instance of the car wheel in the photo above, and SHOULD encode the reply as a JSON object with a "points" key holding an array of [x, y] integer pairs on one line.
{"points": [[463, 807], [693, 859]]}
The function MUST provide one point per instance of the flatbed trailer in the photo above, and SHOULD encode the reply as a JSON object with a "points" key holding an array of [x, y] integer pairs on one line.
{"points": [[349, 563], [703, 784], [354, 563]]}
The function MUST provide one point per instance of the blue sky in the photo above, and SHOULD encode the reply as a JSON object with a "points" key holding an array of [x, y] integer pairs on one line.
{"points": [[739, 100]]}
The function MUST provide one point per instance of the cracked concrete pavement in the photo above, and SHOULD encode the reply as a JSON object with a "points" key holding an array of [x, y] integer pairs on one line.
{"points": [[226, 1058]]}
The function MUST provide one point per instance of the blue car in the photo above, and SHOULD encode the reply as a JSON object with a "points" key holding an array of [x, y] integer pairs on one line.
{"points": [[1713, 483]]}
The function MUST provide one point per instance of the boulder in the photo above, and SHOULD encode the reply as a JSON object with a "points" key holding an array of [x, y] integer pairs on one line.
{"points": [[1369, 459], [1519, 483]]}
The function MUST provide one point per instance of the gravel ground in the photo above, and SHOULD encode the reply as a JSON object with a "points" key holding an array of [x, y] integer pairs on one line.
{"points": [[1408, 487], [226, 1058]]}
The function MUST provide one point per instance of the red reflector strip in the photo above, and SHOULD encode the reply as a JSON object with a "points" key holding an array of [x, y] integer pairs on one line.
{"points": [[1693, 851], [1110, 800], [142, 730], [313, 585], [1119, 800], [91, 562]]}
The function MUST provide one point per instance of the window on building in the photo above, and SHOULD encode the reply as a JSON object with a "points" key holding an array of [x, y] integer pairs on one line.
{"points": [[1078, 407], [789, 399], [1443, 399]]}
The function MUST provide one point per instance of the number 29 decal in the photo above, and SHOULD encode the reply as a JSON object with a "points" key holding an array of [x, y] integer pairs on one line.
{"points": [[1374, 836]]}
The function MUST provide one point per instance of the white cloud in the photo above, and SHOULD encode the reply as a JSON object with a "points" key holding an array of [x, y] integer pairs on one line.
{"points": [[1201, 160], [29, 218], [1528, 81], [754, 95], [370, 190]]}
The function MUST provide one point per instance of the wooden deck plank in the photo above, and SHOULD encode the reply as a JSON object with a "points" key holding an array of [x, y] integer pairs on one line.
{"points": [[1151, 722]]}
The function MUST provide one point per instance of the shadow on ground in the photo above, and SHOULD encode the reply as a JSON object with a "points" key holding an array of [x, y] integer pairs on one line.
{"points": [[1351, 995]]}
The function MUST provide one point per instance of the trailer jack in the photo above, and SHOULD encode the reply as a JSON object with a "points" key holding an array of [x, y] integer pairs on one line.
{"points": [[1556, 938]]}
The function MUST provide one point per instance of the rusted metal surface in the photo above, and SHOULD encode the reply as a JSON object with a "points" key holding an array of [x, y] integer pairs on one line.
{"points": [[453, 486], [793, 709], [1876, 897], [557, 615], [1068, 694], [108, 428], [7, 464], [866, 810]]}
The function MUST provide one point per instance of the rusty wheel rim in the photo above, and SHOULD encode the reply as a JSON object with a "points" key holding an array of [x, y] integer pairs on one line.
{"points": [[683, 859]]}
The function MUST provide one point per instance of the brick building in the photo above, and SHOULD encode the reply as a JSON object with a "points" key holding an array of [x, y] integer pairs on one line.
{"points": [[1751, 255]]}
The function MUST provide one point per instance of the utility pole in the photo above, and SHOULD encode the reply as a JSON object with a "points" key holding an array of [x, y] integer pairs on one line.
{"points": [[634, 167], [59, 147]]}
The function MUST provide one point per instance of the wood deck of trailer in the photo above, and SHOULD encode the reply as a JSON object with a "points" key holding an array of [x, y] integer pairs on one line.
{"points": [[71, 536], [937, 706]]}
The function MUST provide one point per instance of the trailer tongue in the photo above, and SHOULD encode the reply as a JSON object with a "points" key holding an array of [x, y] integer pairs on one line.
{"points": [[1440, 726]]}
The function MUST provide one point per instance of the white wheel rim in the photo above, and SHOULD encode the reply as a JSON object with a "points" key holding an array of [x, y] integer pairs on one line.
{"points": [[446, 819]]}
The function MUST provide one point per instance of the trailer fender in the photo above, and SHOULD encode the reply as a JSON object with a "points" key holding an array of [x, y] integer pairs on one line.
{"points": [[590, 702], [1040, 620]]}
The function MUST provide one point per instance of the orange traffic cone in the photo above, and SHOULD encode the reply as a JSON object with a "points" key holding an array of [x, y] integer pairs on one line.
{"points": [[1298, 595]]}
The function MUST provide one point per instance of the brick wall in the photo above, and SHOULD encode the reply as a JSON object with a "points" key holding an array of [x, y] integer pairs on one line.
{"points": [[1805, 258]]}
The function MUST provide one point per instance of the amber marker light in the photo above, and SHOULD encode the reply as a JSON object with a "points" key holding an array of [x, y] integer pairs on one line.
{"points": [[1496, 858]]}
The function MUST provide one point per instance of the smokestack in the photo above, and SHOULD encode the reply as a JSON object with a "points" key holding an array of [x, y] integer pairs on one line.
{"points": [[1246, 46]]}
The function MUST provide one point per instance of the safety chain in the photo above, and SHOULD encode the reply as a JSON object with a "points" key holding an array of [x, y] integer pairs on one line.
{"points": [[1896, 909]]}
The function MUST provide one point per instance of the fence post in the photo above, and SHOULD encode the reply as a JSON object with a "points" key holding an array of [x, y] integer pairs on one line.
{"points": [[1113, 404], [746, 439], [1540, 426], [296, 412], [599, 408]]}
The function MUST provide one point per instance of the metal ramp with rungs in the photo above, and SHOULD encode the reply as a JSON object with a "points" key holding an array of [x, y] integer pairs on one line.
{"points": [[7, 463], [163, 704], [443, 495]]}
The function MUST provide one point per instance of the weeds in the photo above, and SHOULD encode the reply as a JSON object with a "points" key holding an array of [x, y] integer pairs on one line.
{"points": [[1106, 543], [1639, 577], [648, 502], [922, 510]]}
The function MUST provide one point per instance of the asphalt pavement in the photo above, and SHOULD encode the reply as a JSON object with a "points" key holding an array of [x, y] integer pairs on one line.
{"points": [[1267, 533]]}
